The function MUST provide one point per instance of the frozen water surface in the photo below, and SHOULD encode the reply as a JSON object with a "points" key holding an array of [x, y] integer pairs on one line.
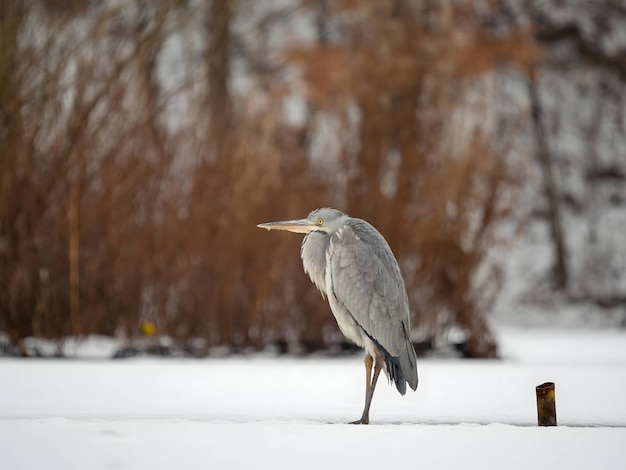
{"points": [[265, 412]]}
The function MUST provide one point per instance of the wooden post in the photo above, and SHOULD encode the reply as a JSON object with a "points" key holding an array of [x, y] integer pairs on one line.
{"points": [[546, 404]]}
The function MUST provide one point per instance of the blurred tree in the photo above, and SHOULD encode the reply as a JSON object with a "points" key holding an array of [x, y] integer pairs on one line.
{"points": [[554, 207], [143, 175], [18, 199], [405, 69], [578, 90]]}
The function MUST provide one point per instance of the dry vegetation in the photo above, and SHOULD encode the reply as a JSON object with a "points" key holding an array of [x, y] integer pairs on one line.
{"points": [[124, 201]]}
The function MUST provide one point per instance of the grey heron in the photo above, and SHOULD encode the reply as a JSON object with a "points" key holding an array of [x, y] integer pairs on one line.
{"points": [[352, 265]]}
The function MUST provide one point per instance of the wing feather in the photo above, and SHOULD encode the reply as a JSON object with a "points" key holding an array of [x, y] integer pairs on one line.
{"points": [[366, 279]]}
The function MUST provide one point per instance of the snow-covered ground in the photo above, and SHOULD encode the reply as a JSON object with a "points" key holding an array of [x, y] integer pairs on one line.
{"points": [[266, 412]]}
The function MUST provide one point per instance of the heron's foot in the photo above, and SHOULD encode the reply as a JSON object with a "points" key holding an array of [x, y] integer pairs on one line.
{"points": [[363, 420]]}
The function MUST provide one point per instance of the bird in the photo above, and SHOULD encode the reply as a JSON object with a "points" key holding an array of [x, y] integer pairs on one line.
{"points": [[354, 268]]}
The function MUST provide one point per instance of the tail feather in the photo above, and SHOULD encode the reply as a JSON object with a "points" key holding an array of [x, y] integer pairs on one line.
{"points": [[408, 364], [394, 369], [402, 369]]}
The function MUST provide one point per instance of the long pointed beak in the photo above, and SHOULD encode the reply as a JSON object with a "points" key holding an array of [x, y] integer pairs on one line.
{"points": [[297, 226]]}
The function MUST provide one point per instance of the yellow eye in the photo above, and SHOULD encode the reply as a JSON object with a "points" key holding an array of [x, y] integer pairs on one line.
{"points": [[320, 222]]}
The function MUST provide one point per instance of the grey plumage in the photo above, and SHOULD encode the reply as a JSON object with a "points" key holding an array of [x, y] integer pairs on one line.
{"points": [[354, 268]]}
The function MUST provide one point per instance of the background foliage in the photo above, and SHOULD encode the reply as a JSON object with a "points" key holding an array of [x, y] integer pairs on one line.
{"points": [[142, 142]]}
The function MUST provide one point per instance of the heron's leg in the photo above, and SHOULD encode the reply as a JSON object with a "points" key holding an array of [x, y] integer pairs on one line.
{"points": [[369, 388], [368, 373], [368, 380]]}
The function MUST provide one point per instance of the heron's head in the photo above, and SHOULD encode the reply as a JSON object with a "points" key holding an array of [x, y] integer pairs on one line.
{"points": [[325, 219]]}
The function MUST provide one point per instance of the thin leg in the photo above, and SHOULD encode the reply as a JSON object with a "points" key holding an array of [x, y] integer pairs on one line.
{"points": [[368, 373], [370, 386]]}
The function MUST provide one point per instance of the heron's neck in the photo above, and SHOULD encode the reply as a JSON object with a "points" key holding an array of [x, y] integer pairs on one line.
{"points": [[313, 254]]}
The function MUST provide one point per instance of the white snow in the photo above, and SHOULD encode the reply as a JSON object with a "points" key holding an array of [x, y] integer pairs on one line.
{"points": [[268, 412]]}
